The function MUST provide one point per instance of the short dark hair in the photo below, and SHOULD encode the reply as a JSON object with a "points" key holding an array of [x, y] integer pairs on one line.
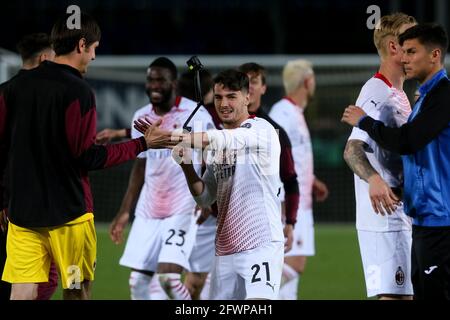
{"points": [[65, 40], [252, 67], [233, 79], [431, 35], [186, 86], [163, 62], [33, 44]]}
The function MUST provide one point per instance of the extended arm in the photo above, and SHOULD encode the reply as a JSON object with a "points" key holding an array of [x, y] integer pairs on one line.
{"points": [[410, 137]]}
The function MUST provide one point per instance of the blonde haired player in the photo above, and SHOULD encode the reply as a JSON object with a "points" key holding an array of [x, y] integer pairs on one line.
{"points": [[384, 239], [299, 84]]}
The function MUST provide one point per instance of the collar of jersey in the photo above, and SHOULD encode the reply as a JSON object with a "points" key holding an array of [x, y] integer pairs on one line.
{"points": [[383, 78]]}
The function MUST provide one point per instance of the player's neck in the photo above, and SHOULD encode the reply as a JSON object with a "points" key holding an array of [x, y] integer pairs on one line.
{"points": [[393, 72], [162, 109], [68, 60], [238, 122], [299, 97], [30, 64], [430, 75]]}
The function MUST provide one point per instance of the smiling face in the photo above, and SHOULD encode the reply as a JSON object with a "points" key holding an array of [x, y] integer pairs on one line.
{"points": [[159, 86], [231, 106]]}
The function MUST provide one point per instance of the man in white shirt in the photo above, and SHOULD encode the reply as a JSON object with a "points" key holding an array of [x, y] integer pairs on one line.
{"points": [[384, 231], [299, 84], [242, 175]]}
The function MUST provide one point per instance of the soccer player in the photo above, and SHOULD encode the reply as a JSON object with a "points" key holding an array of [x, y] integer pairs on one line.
{"points": [[47, 129], [257, 88], [299, 84], [242, 174], [384, 231], [33, 49], [424, 144], [163, 230]]}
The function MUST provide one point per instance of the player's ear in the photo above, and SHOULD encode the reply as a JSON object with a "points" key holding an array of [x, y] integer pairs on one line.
{"points": [[393, 47], [436, 55], [81, 46], [307, 83]]}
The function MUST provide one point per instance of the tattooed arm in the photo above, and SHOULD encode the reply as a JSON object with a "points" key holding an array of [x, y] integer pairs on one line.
{"points": [[357, 160], [381, 195]]}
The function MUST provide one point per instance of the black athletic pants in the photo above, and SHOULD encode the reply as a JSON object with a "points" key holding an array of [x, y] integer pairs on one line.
{"points": [[430, 263]]}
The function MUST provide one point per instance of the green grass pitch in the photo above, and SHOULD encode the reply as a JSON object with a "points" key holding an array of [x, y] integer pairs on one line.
{"points": [[334, 273]]}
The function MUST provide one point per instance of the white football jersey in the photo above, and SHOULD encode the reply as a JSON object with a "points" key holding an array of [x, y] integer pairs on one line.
{"points": [[165, 191], [243, 175], [291, 118], [381, 101]]}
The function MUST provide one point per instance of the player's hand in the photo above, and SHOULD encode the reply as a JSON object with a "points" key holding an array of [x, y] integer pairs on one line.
{"points": [[288, 237], [320, 190], [381, 195], [118, 226], [204, 214], [3, 221], [155, 137], [182, 155], [106, 135], [352, 115]]}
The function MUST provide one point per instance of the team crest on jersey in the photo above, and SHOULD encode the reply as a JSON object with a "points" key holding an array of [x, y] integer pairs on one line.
{"points": [[399, 276]]}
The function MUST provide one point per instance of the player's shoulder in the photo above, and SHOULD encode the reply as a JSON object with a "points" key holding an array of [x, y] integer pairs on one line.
{"points": [[66, 75], [375, 88], [257, 123], [283, 104], [5, 84], [442, 89], [142, 111], [189, 105], [186, 104], [282, 109]]}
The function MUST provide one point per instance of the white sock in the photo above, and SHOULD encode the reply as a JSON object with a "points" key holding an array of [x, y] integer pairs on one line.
{"points": [[139, 286], [289, 283], [204, 295], [174, 288], [156, 291]]}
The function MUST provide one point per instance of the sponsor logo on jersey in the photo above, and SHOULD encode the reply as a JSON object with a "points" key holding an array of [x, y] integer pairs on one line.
{"points": [[374, 103], [224, 163]]}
